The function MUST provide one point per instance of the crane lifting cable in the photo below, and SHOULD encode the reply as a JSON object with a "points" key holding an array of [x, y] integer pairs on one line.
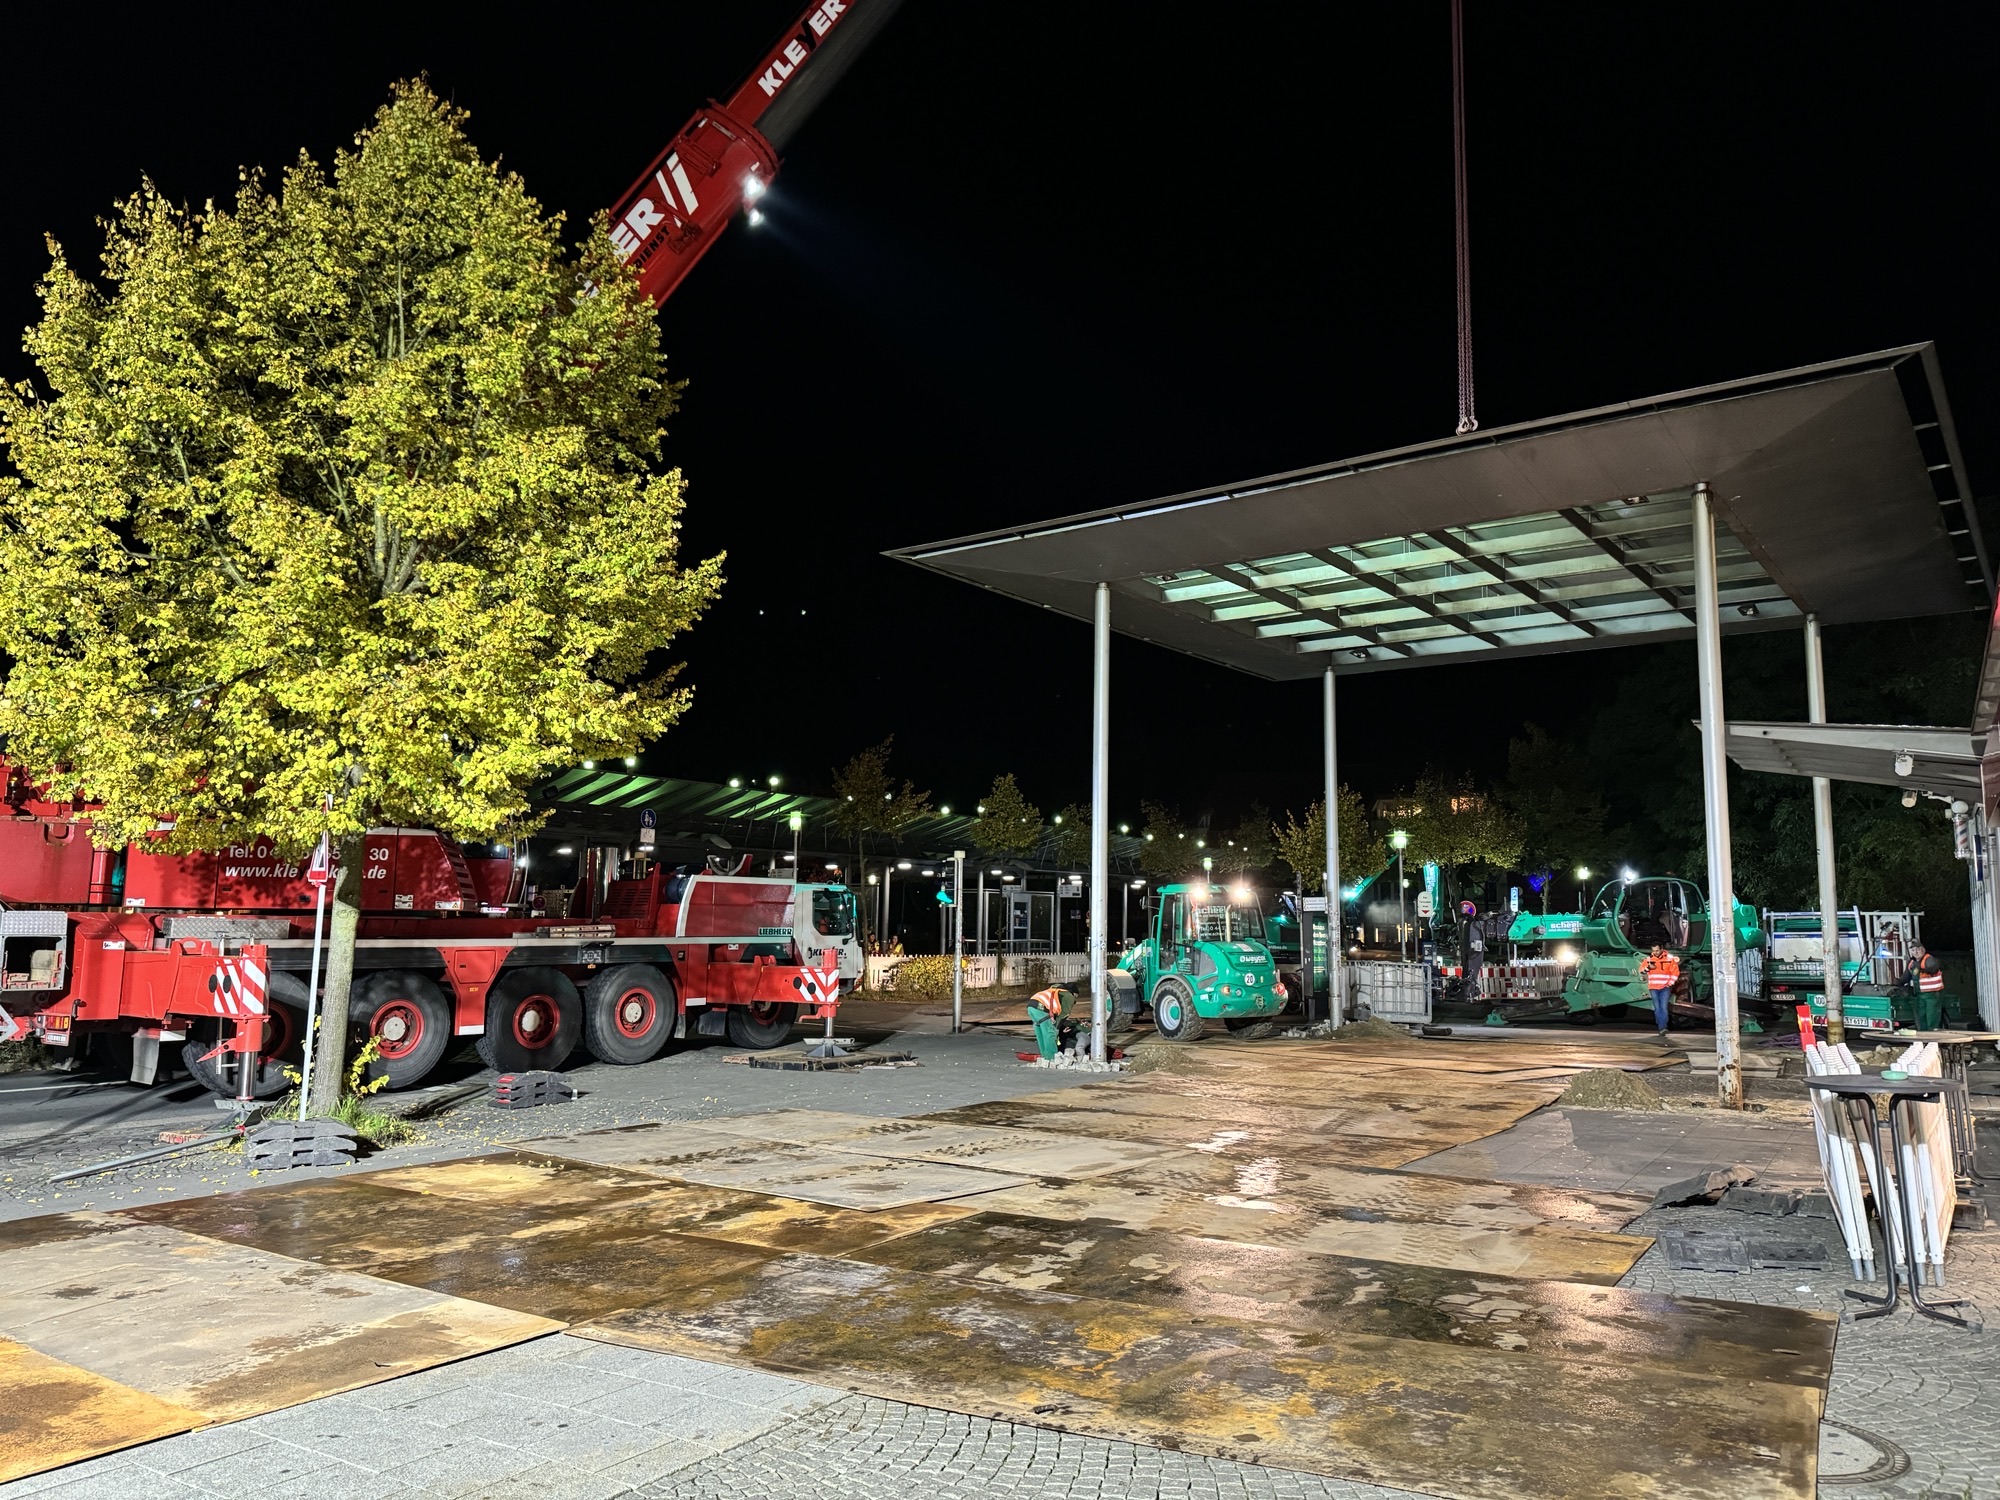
{"points": [[1468, 421]]}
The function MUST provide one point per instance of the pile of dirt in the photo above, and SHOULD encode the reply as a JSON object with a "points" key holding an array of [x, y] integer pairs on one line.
{"points": [[1609, 1088], [1370, 1030], [1160, 1057], [1878, 1057]]}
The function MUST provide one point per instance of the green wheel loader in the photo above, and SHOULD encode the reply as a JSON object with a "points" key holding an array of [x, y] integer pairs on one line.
{"points": [[1627, 921], [1206, 960]]}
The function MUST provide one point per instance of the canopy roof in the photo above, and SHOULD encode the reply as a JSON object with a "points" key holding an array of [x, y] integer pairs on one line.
{"points": [[1840, 485], [1942, 760]]}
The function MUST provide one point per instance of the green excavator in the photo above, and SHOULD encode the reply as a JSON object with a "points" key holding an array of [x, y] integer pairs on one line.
{"points": [[1626, 921]]}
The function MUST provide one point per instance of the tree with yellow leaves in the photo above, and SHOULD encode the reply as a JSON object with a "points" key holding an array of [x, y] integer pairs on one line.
{"points": [[351, 489]]}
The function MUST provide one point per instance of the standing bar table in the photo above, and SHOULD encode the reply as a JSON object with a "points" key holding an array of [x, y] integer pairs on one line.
{"points": [[1857, 1091]]}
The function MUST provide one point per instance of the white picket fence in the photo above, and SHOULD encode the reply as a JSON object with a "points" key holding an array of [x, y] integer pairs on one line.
{"points": [[984, 971]]}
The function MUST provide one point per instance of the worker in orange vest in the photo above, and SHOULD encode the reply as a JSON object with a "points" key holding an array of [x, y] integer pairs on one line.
{"points": [[1929, 972], [1662, 971]]}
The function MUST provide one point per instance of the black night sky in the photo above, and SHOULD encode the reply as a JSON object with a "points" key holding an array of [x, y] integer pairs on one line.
{"points": [[1035, 257]]}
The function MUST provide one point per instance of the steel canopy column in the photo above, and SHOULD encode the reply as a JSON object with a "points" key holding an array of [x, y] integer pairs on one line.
{"points": [[1829, 906], [1336, 974], [1715, 800], [1100, 809]]}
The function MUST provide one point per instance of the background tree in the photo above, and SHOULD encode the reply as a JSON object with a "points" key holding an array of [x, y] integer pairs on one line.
{"points": [[1072, 830], [1248, 848], [345, 489], [870, 801], [1454, 825], [1550, 792], [1164, 848], [1008, 822], [1302, 844]]}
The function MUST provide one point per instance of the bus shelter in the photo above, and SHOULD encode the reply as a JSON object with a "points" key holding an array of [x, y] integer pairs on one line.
{"points": [[1829, 494]]}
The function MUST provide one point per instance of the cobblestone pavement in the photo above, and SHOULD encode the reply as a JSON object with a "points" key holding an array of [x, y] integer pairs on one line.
{"points": [[563, 1418]]}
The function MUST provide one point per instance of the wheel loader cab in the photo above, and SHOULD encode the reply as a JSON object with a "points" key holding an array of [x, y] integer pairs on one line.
{"points": [[1206, 960]]}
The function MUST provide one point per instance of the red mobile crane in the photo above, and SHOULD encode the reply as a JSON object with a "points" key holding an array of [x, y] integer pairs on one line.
{"points": [[209, 949], [724, 158]]}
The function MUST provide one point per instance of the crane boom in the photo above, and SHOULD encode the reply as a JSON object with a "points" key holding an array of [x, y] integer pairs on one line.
{"points": [[726, 155]]}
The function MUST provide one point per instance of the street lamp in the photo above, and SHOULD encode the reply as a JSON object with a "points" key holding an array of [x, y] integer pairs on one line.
{"points": [[1399, 840], [798, 821], [1582, 874]]}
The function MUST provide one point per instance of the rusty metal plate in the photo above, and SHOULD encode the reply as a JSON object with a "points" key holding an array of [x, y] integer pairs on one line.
{"points": [[1256, 1182], [1213, 1278], [1394, 1411], [52, 1413], [1241, 1137], [1029, 1152], [822, 1175], [352, 1223], [229, 1330], [1544, 1250]]}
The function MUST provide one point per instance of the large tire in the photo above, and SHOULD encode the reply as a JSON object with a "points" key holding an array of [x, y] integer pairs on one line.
{"points": [[629, 1014], [763, 1025], [534, 1019], [284, 1046], [409, 1018], [1174, 1015]]}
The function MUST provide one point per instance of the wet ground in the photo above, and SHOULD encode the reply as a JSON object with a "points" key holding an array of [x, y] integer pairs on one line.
{"points": [[1243, 1272]]}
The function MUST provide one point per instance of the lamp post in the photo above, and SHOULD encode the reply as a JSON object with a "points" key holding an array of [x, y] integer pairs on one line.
{"points": [[1582, 874], [958, 940], [798, 821], [1399, 841], [874, 879]]}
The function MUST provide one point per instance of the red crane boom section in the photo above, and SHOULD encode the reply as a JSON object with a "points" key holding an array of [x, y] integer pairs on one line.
{"points": [[680, 205]]}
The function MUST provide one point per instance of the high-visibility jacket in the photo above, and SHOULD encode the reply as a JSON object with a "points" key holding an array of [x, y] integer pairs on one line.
{"points": [[1051, 1000], [1662, 971], [1930, 973]]}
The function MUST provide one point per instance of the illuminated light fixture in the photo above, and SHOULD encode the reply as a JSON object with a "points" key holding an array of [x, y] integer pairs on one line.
{"points": [[1138, 885], [1058, 817], [1149, 838], [736, 781], [873, 878], [565, 849], [1583, 872], [902, 864], [1399, 840], [521, 863], [1201, 844], [790, 858], [796, 821], [928, 873], [1628, 874], [1181, 836], [981, 809], [850, 796], [590, 765], [944, 812], [888, 796], [774, 781], [1007, 878], [754, 187], [1124, 827], [1208, 862], [1748, 611], [1242, 893], [756, 217], [631, 761], [998, 871]]}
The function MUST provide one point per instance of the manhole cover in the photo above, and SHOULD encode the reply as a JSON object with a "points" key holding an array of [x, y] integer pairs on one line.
{"points": [[1853, 1455]]}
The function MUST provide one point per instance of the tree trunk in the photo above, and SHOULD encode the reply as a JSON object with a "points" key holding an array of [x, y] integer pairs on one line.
{"points": [[329, 1061]]}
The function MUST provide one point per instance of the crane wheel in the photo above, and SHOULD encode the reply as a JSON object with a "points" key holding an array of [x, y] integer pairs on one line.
{"points": [[629, 1014], [408, 1019], [1174, 1015], [763, 1025], [534, 1018], [284, 1047]]}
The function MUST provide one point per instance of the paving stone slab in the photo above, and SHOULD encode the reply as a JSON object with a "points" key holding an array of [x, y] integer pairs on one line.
{"points": [[1028, 1152]]}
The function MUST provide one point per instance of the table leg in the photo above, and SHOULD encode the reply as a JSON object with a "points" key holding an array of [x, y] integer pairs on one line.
{"points": [[1861, 1114], [1905, 1196]]}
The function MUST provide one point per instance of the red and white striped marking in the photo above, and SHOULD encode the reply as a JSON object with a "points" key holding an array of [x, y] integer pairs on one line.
{"points": [[819, 986], [239, 986]]}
